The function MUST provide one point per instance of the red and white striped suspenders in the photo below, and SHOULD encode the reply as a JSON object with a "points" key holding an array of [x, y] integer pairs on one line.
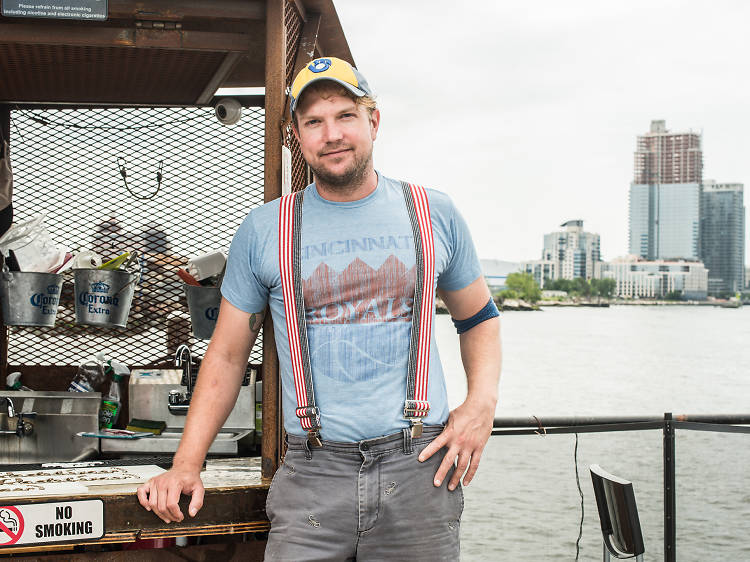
{"points": [[416, 405]]}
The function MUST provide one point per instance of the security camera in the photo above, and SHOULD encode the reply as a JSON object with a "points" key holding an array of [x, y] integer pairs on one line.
{"points": [[228, 111]]}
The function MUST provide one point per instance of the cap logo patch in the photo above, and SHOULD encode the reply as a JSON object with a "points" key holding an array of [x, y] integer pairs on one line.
{"points": [[320, 65]]}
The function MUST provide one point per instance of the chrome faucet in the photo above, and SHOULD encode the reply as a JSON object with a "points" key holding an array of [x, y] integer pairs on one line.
{"points": [[179, 402], [23, 428], [11, 408]]}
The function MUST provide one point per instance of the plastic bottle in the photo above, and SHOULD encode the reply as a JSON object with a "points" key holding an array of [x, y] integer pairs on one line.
{"points": [[13, 382], [111, 402], [83, 381]]}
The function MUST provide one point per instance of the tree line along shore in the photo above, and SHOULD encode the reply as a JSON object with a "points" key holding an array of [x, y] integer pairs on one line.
{"points": [[522, 292]]}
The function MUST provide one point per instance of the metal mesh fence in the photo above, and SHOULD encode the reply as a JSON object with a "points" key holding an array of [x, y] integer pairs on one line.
{"points": [[293, 28], [66, 167], [293, 25]]}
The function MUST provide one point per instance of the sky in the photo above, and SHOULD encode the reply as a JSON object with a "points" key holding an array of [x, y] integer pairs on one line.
{"points": [[526, 113]]}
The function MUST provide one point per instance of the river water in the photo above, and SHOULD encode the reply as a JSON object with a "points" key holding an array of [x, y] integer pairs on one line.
{"points": [[524, 503]]}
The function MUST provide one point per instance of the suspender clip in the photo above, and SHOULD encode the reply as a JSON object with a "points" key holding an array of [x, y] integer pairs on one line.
{"points": [[313, 437], [416, 428], [414, 411]]}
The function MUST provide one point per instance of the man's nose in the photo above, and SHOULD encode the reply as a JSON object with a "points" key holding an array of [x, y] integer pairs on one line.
{"points": [[333, 132]]}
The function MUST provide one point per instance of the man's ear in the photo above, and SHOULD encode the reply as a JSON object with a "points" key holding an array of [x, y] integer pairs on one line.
{"points": [[375, 123]]}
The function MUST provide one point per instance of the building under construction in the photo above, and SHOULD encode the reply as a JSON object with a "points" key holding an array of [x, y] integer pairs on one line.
{"points": [[665, 195], [664, 156]]}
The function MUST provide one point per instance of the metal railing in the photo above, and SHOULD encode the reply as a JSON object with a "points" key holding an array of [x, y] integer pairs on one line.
{"points": [[722, 423]]}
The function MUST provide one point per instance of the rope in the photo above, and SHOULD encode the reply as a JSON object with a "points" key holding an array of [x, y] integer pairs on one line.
{"points": [[580, 493]]}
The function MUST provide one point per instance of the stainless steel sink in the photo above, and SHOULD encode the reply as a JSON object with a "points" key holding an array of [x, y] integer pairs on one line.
{"points": [[226, 443], [59, 416]]}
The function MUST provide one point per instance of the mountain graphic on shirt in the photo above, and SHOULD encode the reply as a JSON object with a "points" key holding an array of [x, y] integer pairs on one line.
{"points": [[360, 294]]}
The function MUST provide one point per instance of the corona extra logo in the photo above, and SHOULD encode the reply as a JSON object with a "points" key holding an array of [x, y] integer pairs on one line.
{"points": [[53, 289], [47, 303], [99, 287], [212, 313], [86, 299]]}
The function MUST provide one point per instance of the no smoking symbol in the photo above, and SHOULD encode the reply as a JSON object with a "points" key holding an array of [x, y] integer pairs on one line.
{"points": [[11, 525]]}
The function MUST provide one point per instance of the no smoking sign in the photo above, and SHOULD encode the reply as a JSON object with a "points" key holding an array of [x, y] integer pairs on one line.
{"points": [[51, 522], [11, 525]]}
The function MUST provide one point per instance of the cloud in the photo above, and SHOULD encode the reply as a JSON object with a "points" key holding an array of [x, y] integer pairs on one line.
{"points": [[527, 113]]}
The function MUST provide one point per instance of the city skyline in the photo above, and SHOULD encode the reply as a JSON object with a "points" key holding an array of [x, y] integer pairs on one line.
{"points": [[526, 115]]}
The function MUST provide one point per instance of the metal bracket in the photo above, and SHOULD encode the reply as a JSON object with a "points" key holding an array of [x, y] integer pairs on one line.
{"points": [[313, 437], [166, 25], [416, 428]]}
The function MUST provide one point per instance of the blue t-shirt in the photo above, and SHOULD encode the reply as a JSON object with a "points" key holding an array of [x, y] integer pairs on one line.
{"points": [[358, 276]]}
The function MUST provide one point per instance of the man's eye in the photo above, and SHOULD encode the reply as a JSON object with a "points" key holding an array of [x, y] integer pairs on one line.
{"points": [[312, 122], [346, 115]]}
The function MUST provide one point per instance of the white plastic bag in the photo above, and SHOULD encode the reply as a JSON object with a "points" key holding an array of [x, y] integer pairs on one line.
{"points": [[32, 245]]}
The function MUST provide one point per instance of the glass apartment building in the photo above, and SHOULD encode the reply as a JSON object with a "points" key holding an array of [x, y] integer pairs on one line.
{"points": [[665, 196], [574, 251], [665, 221], [723, 237]]}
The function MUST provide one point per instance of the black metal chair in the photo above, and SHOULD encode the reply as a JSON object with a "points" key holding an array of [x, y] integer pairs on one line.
{"points": [[618, 515]]}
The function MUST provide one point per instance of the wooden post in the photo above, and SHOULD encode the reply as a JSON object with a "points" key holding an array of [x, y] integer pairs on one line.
{"points": [[275, 99], [4, 135]]}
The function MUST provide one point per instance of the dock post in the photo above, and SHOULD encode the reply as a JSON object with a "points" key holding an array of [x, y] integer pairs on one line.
{"points": [[670, 526], [274, 111]]}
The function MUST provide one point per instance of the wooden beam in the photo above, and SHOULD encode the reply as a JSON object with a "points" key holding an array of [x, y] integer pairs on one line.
{"points": [[270, 448], [220, 507], [227, 548], [275, 96], [249, 72], [131, 37], [300, 9], [176, 10], [219, 76], [307, 43], [331, 39]]}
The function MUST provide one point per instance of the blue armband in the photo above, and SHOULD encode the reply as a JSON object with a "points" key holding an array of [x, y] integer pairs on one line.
{"points": [[489, 311]]}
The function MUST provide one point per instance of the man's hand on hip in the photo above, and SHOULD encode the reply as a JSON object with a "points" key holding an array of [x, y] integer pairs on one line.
{"points": [[465, 435], [162, 493]]}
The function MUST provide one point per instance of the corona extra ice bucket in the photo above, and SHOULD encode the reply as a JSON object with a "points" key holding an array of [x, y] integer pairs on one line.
{"points": [[29, 298], [103, 297], [203, 304]]}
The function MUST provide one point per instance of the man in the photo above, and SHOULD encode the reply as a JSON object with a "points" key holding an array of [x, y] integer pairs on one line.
{"points": [[368, 475]]}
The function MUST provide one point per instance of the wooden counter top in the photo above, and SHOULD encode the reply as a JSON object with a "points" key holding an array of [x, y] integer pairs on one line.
{"points": [[234, 502]]}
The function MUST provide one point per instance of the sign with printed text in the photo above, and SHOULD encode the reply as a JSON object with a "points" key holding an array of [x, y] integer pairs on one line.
{"points": [[64, 9], [52, 522]]}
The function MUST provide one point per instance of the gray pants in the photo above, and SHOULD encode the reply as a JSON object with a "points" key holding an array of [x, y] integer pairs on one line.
{"points": [[371, 500]]}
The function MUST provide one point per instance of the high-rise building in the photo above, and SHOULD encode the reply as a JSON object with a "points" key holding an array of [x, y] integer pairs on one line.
{"points": [[723, 237], [567, 254], [665, 195], [665, 157]]}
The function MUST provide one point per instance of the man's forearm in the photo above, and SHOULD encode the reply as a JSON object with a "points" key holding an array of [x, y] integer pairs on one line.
{"points": [[216, 390], [218, 384], [482, 359], [470, 424]]}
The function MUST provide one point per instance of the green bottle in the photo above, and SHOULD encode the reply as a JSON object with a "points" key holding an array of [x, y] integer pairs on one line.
{"points": [[111, 403]]}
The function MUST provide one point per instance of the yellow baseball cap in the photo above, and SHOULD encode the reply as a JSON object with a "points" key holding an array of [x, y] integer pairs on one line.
{"points": [[329, 68]]}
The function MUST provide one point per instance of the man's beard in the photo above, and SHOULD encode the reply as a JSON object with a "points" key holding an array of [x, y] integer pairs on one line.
{"points": [[350, 179]]}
